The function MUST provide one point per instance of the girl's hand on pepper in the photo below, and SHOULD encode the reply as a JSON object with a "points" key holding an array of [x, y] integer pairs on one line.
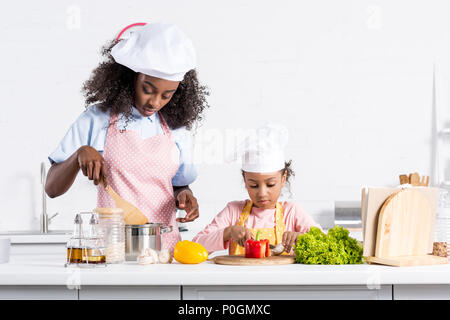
{"points": [[289, 239], [240, 235], [92, 164], [188, 203]]}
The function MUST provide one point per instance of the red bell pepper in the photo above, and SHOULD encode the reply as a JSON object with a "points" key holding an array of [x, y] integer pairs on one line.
{"points": [[257, 248]]}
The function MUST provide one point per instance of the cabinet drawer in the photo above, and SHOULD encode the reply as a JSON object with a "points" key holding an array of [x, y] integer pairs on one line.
{"points": [[130, 293], [422, 292], [37, 293], [286, 292]]}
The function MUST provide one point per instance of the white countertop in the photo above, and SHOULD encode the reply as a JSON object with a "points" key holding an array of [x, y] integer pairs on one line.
{"points": [[35, 237], [50, 270]]}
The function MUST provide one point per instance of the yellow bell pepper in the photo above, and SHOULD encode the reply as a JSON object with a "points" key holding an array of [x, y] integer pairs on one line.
{"points": [[189, 252]]}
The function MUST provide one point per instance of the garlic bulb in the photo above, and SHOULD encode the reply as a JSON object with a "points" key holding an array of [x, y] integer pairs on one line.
{"points": [[152, 253], [145, 260], [165, 256], [148, 256]]}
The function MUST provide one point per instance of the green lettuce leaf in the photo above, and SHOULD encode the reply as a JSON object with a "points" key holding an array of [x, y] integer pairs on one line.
{"points": [[335, 247]]}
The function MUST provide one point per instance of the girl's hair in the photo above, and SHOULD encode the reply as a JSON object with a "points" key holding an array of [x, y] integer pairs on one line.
{"points": [[289, 173], [112, 86]]}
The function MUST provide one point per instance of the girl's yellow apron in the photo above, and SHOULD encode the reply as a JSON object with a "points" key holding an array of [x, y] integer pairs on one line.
{"points": [[275, 234]]}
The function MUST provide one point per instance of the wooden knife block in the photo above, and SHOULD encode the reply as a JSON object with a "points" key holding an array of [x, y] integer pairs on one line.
{"points": [[398, 226]]}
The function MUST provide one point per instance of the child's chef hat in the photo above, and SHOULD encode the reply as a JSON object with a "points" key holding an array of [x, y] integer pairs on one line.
{"points": [[157, 49], [263, 151]]}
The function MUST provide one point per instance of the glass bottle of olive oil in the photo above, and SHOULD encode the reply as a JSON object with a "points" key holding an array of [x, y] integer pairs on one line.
{"points": [[86, 249], [93, 252], [75, 243]]}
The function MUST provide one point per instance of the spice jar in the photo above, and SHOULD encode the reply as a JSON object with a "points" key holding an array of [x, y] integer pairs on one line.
{"points": [[441, 244], [112, 227]]}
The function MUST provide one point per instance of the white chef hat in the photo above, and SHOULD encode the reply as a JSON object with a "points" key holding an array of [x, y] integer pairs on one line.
{"points": [[157, 49], [263, 151]]}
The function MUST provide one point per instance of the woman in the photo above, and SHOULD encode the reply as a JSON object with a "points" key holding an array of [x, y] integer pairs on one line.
{"points": [[135, 137]]}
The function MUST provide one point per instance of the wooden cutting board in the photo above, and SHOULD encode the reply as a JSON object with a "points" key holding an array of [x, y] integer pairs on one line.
{"points": [[240, 260], [409, 261], [372, 201], [404, 225], [404, 229]]}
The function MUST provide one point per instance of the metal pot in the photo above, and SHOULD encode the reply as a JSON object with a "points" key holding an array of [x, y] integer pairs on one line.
{"points": [[143, 236]]}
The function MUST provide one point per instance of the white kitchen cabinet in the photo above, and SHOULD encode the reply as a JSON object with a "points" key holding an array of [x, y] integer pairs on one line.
{"points": [[317, 292], [37, 293], [421, 292], [130, 293]]}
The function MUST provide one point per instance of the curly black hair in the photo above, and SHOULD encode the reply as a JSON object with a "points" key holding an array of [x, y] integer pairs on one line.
{"points": [[112, 86]]}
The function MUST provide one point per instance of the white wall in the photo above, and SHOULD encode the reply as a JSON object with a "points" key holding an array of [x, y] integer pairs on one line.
{"points": [[352, 80]]}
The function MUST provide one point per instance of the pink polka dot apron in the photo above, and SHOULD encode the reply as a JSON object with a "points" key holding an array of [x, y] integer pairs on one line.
{"points": [[141, 172]]}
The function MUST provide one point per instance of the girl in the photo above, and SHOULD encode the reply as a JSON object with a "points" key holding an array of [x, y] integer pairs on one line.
{"points": [[265, 173], [135, 137]]}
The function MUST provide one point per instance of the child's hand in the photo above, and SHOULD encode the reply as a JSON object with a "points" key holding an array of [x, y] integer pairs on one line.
{"points": [[240, 235], [289, 239]]}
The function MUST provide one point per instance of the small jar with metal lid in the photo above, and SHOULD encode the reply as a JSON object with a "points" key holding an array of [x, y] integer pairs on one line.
{"points": [[441, 244], [112, 226]]}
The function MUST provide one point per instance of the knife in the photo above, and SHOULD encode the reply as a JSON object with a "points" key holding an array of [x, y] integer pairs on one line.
{"points": [[276, 250]]}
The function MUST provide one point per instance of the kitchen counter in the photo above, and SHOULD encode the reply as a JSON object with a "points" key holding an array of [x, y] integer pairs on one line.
{"points": [[44, 273], [50, 270]]}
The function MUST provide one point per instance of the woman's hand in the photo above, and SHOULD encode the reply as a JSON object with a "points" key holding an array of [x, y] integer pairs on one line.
{"points": [[240, 234], [92, 164], [187, 202], [289, 239]]}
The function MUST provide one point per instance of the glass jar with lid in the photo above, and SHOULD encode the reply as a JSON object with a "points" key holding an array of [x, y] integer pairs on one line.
{"points": [[112, 227], [441, 244]]}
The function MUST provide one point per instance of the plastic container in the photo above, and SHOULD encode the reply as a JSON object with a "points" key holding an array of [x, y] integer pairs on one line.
{"points": [[441, 245], [112, 228]]}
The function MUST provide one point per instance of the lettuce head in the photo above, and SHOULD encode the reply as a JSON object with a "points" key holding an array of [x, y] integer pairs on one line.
{"points": [[335, 247]]}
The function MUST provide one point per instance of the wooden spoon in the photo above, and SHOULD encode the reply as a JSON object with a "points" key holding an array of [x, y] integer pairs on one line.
{"points": [[131, 214]]}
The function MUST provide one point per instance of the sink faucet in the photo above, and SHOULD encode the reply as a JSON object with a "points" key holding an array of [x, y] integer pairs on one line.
{"points": [[45, 219]]}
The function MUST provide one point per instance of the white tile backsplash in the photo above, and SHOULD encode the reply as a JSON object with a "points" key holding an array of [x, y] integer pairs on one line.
{"points": [[354, 92]]}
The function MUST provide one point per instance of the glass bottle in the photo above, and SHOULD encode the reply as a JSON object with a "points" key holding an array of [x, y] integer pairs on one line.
{"points": [[441, 243], [112, 227], [93, 251], [75, 243]]}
